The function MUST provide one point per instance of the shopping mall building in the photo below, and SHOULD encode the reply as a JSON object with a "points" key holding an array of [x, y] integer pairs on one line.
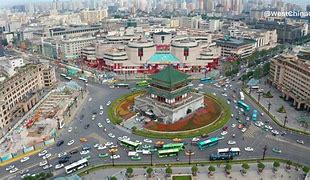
{"points": [[137, 55]]}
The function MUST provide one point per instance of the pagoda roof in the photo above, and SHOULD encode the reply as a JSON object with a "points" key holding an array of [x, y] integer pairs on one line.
{"points": [[169, 77]]}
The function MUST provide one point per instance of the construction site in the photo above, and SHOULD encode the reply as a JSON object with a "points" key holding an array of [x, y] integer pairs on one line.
{"points": [[44, 120]]}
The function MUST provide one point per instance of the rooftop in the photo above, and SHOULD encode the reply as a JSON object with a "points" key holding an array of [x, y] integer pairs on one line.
{"points": [[163, 58], [234, 41], [169, 77]]}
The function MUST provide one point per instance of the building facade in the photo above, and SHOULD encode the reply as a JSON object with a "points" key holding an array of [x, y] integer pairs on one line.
{"points": [[291, 75], [233, 47]]}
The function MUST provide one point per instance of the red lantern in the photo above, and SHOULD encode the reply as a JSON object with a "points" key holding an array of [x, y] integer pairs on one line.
{"points": [[140, 52]]}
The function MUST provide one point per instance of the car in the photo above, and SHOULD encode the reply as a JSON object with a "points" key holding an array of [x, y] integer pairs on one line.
{"points": [[24, 159], [100, 125], [103, 155], [47, 166], [223, 133], [58, 166], [262, 114], [204, 135], [61, 154], [70, 142], [90, 99], [47, 156], [101, 107], [42, 153], [214, 94], [25, 175], [74, 151], [146, 146], [135, 158], [243, 130], [247, 118], [233, 125], [85, 148], [108, 143], [101, 112], [231, 142], [13, 170], [232, 115], [83, 139], [84, 152], [96, 145], [147, 140], [225, 128], [224, 95], [10, 167], [86, 126], [43, 163], [24, 171], [108, 103], [228, 102], [70, 129], [111, 135], [120, 138], [195, 139], [115, 156], [200, 85], [268, 127], [300, 141], [59, 143], [93, 117], [276, 150], [220, 137], [108, 120], [275, 132], [249, 149], [86, 157]]}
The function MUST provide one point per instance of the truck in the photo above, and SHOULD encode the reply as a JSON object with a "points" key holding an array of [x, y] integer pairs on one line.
{"points": [[241, 96]]}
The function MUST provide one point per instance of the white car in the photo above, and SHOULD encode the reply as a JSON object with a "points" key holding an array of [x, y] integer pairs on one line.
{"points": [[190, 85], [108, 103], [214, 94], [249, 149], [101, 107], [224, 95], [109, 143], [10, 167], [47, 166], [195, 139], [13, 170], [147, 140], [101, 147], [61, 154], [43, 163], [25, 175], [300, 141], [111, 135], [200, 85], [24, 159], [223, 133], [228, 102], [43, 153], [47, 156], [84, 152], [100, 125], [90, 99], [231, 142], [96, 145], [275, 132], [233, 125], [232, 115], [243, 130], [236, 107], [268, 127], [115, 156], [235, 101], [108, 120], [120, 138], [70, 129], [247, 118], [58, 166], [70, 142], [101, 113], [93, 117]]}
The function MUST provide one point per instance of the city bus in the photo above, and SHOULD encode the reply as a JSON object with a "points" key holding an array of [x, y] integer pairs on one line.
{"points": [[214, 157], [168, 152], [179, 146], [207, 143], [254, 115], [76, 166], [68, 78], [83, 79], [142, 84], [241, 96], [63, 75], [244, 106], [121, 85], [206, 79], [129, 143], [235, 151]]}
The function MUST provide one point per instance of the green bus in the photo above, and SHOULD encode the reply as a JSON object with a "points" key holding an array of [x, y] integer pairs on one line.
{"points": [[207, 143], [129, 143], [244, 106], [142, 84], [168, 152], [179, 146]]}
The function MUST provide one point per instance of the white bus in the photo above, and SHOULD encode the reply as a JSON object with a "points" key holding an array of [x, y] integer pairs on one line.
{"points": [[241, 96], [68, 78], [76, 166], [83, 79], [235, 151]]}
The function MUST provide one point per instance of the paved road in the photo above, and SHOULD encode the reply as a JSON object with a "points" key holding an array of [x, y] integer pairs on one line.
{"points": [[101, 94]]}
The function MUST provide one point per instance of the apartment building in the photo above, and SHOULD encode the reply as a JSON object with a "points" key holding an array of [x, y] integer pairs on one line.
{"points": [[233, 47], [93, 16], [291, 75], [72, 48], [19, 93]]}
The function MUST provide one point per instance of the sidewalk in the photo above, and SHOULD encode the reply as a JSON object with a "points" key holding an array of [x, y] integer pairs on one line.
{"points": [[276, 102], [159, 173]]}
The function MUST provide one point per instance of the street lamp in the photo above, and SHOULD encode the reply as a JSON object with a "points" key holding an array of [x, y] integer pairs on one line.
{"points": [[151, 158], [285, 120], [259, 95], [112, 153], [189, 153], [264, 153], [269, 104]]}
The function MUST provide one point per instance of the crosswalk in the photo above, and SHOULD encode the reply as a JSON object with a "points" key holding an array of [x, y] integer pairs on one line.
{"points": [[276, 138], [251, 132]]}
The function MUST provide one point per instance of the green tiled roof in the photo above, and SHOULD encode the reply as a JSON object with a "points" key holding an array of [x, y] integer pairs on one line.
{"points": [[169, 77], [165, 58], [169, 95]]}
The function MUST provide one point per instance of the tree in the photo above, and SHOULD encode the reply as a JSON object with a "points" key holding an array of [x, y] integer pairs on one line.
{"points": [[305, 169], [228, 168], [113, 178], [245, 167], [260, 167], [168, 171], [276, 164], [4, 42], [194, 170], [211, 170], [282, 109], [134, 128], [149, 171], [288, 164], [129, 172]]}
